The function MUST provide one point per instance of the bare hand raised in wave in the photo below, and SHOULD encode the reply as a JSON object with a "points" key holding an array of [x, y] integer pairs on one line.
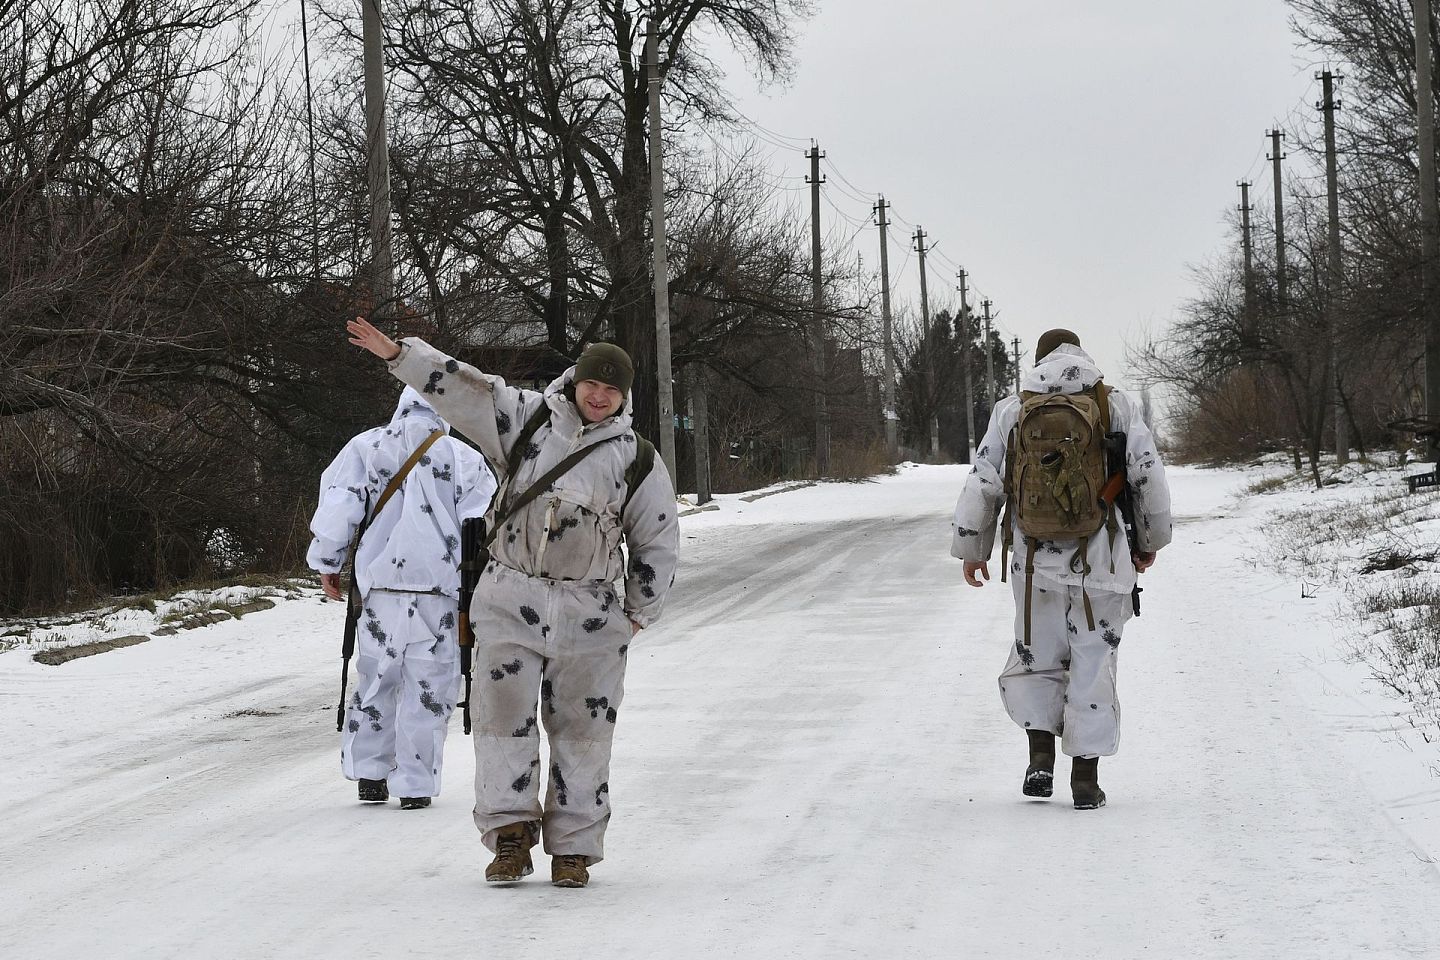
{"points": [[364, 334]]}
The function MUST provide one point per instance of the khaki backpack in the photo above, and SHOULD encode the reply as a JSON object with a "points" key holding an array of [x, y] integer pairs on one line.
{"points": [[1055, 471]]}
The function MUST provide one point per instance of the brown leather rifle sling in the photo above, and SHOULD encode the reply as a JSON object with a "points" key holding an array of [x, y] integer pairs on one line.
{"points": [[352, 607]]}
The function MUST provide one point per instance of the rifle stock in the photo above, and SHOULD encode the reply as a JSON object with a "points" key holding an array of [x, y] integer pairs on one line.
{"points": [[1116, 466]]}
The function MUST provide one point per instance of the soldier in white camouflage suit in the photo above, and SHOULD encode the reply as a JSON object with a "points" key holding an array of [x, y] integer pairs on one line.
{"points": [[407, 655], [552, 625], [1061, 678]]}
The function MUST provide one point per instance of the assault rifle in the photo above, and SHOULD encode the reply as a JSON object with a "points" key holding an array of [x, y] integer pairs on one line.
{"points": [[473, 558], [352, 618], [1117, 492]]}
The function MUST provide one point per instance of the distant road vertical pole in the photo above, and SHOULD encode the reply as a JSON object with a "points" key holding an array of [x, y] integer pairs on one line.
{"points": [[1248, 314], [989, 363], [970, 442], [310, 135], [892, 440], [1334, 279], [817, 295], [1282, 278], [378, 156], [1429, 215], [665, 387], [700, 418], [929, 345]]}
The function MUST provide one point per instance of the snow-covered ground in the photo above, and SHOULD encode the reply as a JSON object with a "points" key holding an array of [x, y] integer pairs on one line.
{"points": [[812, 762]]}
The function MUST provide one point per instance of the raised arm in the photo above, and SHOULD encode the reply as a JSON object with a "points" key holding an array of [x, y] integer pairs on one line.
{"points": [[481, 406]]}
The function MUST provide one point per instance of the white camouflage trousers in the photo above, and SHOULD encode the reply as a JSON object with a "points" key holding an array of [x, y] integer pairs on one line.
{"points": [[1064, 682], [408, 673], [551, 654]]}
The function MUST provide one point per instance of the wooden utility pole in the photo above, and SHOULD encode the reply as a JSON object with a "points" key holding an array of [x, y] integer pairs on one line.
{"points": [[1248, 313], [1334, 277], [929, 345], [665, 392], [1429, 216], [377, 151], [1016, 342], [310, 135], [892, 419], [989, 363], [970, 442], [1282, 280], [817, 333]]}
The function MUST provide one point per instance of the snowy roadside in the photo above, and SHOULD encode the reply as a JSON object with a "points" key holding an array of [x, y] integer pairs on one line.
{"points": [[1347, 579]]}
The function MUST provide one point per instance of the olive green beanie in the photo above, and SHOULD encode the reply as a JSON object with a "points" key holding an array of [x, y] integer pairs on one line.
{"points": [[608, 364], [1051, 339]]}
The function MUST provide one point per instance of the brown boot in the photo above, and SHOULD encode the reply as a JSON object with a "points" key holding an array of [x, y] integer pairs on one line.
{"points": [[568, 870], [1085, 784], [512, 854], [1040, 775]]}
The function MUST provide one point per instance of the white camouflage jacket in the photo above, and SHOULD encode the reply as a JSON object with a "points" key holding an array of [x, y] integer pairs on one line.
{"points": [[572, 532], [414, 543], [1067, 369]]}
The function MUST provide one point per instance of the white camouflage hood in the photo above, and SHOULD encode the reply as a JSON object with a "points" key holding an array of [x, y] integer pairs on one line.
{"points": [[1066, 369]]}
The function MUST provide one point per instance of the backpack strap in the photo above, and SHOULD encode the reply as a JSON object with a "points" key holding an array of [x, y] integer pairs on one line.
{"points": [[1031, 544], [638, 470], [538, 419]]}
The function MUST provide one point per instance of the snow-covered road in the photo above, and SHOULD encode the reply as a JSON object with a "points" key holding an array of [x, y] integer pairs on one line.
{"points": [[812, 761]]}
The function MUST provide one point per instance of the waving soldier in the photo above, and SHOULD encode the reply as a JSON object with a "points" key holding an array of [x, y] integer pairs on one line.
{"points": [[552, 624]]}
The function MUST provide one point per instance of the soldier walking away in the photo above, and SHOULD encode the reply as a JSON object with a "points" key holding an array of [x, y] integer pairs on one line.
{"points": [[404, 592], [552, 624], [1086, 506]]}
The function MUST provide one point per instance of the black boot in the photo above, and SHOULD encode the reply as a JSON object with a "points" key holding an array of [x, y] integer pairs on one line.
{"points": [[1040, 775], [1085, 784], [414, 803], [374, 791]]}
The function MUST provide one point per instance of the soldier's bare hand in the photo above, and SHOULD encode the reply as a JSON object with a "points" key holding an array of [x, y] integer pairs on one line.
{"points": [[330, 583], [634, 628], [971, 569], [1143, 561], [363, 334]]}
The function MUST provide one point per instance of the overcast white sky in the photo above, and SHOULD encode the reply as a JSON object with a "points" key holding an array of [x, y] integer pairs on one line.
{"points": [[1073, 155]]}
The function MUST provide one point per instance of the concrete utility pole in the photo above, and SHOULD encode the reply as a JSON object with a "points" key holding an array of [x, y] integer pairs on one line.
{"points": [[929, 346], [892, 441], [817, 292], [1248, 322], [970, 442], [1016, 342], [382, 263], [989, 363], [1282, 281], [700, 417], [1334, 276], [1429, 216], [665, 392]]}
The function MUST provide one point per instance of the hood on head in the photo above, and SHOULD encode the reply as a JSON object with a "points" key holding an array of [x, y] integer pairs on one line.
{"points": [[1066, 369], [413, 406]]}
